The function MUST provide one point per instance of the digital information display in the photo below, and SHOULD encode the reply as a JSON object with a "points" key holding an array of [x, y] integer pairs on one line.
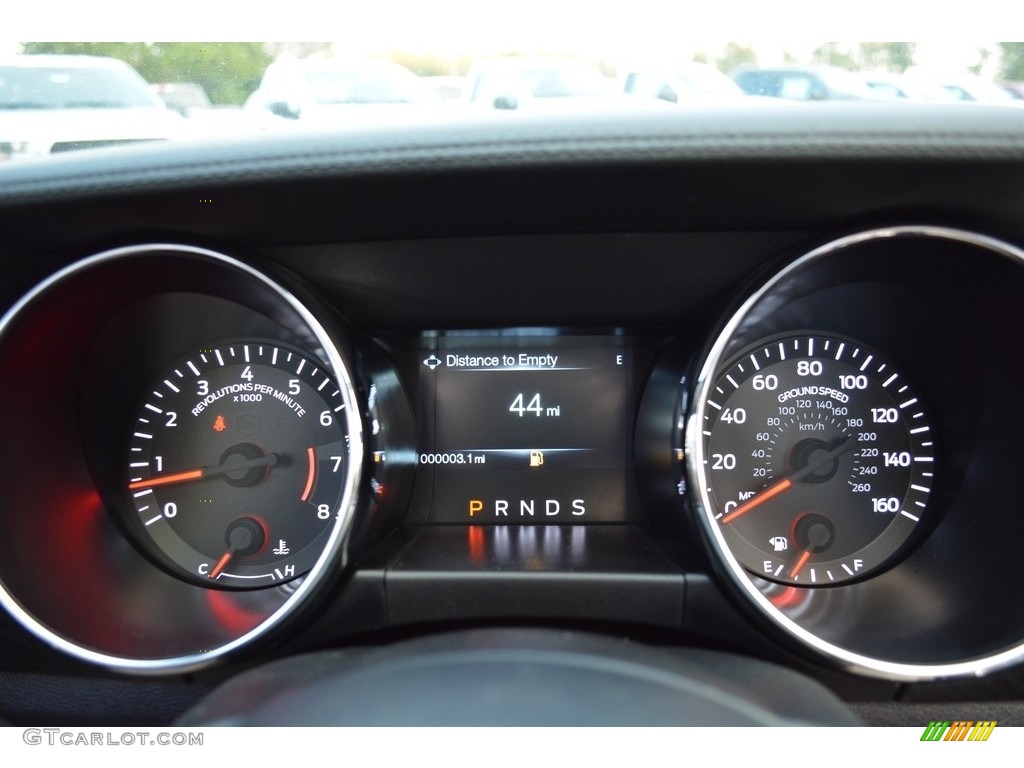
{"points": [[528, 431]]}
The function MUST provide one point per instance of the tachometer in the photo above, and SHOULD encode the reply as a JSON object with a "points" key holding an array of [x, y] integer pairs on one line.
{"points": [[237, 463], [818, 459]]}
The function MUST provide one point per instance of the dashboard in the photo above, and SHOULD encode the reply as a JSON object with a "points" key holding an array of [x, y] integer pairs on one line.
{"points": [[673, 408]]}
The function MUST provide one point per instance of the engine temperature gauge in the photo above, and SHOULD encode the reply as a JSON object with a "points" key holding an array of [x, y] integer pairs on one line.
{"points": [[237, 465], [818, 460]]}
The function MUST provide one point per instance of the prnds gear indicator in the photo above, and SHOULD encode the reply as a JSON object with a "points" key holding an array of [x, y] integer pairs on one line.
{"points": [[818, 460], [237, 464], [527, 434]]}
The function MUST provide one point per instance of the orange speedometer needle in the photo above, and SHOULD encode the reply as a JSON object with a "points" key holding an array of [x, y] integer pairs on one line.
{"points": [[773, 490], [770, 492], [269, 460]]}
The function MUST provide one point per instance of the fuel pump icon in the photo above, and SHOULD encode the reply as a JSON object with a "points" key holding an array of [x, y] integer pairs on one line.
{"points": [[779, 543]]}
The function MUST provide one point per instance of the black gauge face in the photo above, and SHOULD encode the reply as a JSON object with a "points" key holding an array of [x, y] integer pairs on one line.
{"points": [[237, 465], [818, 460]]}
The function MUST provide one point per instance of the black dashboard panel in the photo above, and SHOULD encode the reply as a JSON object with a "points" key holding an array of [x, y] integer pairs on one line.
{"points": [[644, 232]]}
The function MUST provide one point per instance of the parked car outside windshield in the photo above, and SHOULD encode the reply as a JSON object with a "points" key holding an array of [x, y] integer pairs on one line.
{"points": [[334, 91], [59, 103], [532, 83]]}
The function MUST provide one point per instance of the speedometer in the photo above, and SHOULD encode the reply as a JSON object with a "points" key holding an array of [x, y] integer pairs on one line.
{"points": [[818, 459]]}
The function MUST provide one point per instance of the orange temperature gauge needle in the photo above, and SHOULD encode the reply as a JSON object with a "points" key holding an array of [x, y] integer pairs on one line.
{"points": [[218, 569], [245, 536]]}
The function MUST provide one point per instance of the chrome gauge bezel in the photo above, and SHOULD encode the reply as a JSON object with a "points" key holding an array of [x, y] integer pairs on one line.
{"points": [[743, 324], [259, 293]]}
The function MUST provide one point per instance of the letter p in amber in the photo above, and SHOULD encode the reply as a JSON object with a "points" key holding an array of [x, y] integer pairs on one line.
{"points": [[475, 505]]}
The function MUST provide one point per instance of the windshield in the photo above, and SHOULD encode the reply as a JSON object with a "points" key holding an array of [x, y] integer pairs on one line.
{"points": [[454, 60]]}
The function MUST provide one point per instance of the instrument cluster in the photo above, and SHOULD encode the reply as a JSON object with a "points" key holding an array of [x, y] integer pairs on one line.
{"points": [[222, 450]]}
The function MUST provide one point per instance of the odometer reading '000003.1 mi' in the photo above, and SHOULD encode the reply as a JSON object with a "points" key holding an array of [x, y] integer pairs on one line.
{"points": [[818, 460], [237, 465]]}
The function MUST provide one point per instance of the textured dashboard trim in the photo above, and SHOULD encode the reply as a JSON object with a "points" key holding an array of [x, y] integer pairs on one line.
{"points": [[784, 132]]}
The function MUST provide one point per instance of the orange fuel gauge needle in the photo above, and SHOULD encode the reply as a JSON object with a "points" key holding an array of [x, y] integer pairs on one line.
{"points": [[800, 563]]}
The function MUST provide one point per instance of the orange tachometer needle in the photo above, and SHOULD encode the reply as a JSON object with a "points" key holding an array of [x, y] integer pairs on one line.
{"points": [[269, 460], [800, 563], [771, 491], [178, 477]]}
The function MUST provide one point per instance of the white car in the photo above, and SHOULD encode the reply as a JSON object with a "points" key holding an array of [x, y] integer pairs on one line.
{"points": [[692, 82], [53, 103], [337, 92], [544, 84]]}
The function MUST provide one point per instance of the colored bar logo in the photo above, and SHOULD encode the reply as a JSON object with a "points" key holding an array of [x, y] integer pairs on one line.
{"points": [[958, 730]]}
